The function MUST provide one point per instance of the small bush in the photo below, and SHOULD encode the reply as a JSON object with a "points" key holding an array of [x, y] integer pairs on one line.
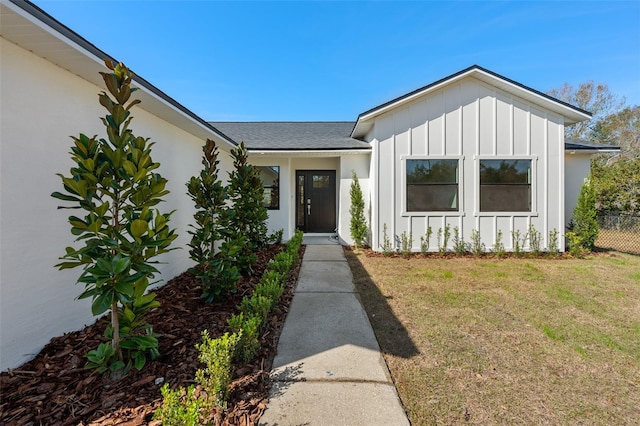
{"points": [[180, 407], [576, 245], [443, 239], [276, 237], [535, 240], [477, 247], [270, 288], [553, 247], [584, 222], [425, 240], [387, 247], [518, 242], [459, 247], [282, 262], [256, 306], [216, 355], [498, 245], [247, 327], [406, 241]]}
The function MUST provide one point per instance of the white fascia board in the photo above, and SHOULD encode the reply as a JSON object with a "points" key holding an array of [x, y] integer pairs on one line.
{"points": [[309, 153]]}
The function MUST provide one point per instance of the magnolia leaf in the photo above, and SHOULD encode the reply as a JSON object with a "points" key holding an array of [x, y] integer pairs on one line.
{"points": [[139, 227], [102, 303]]}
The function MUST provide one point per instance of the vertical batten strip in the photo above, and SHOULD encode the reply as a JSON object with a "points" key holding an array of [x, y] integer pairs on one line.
{"points": [[495, 122], [512, 126], [545, 152]]}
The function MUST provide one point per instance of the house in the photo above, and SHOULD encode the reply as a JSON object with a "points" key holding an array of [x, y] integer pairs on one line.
{"points": [[474, 150]]}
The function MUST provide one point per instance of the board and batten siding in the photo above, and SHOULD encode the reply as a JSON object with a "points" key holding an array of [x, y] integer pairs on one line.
{"points": [[467, 120]]}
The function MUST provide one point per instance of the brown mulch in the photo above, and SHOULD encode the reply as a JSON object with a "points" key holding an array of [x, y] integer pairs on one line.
{"points": [[55, 389]]}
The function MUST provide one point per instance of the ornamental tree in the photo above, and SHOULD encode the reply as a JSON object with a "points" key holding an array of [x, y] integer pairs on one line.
{"points": [[247, 214], [115, 185], [218, 273], [358, 223]]}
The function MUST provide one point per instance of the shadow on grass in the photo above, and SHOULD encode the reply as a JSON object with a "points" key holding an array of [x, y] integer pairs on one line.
{"points": [[391, 334]]}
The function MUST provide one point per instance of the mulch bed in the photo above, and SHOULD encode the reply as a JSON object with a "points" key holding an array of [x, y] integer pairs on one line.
{"points": [[55, 389]]}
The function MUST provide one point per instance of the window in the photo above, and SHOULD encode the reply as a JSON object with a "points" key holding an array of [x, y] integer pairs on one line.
{"points": [[270, 176], [432, 185], [505, 185]]}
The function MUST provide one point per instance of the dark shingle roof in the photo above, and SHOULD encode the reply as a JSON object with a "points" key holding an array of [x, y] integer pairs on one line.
{"points": [[301, 136], [581, 144]]}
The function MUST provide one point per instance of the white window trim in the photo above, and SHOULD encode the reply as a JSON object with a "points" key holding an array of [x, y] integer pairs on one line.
{"points": [[403, 183], [534, 185]]}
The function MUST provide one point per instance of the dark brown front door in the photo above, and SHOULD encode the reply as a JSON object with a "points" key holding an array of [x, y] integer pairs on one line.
{"points": [[316, 200]]}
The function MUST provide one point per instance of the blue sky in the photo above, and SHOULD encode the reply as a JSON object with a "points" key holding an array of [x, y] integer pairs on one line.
{"points": [[317, 61]]}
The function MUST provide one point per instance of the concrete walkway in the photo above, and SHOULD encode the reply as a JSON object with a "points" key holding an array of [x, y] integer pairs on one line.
{"points": [[329, 369]]}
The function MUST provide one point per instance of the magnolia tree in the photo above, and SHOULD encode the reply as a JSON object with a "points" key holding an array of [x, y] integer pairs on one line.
{"points": [[217, 272], [115, 185]]}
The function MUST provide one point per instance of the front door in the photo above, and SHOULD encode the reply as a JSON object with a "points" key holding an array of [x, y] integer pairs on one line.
{"points": [[316, 200]]}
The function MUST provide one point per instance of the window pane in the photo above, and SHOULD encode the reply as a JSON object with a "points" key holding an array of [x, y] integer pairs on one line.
{"points": [[505, 198], [505, 185], [432, 185], [321, 181], [424, 198], [505, 171], [432, 171], [270, 176]]}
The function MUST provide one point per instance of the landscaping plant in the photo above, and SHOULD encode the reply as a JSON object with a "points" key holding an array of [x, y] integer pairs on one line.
{"points": [[406, 241], [217, 273], [247, 214], [115, 183], [387, 246], [459, 246], [584, 223], [358, 226], [424, 241], [498, 245], [477, 247]]}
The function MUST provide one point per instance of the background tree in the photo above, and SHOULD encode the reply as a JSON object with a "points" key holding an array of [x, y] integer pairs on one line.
{"points": [[358, 226], [595, 98], [115, 183], [621, 128]]}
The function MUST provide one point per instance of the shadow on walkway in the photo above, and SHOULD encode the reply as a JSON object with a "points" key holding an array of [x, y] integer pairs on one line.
{"points": [[391, 334]]}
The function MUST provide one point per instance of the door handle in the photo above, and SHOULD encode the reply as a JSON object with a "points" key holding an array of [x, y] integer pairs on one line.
{"points": [[308, 209]]}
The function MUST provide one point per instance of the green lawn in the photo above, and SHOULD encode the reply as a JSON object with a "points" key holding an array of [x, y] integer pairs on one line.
{"points": [[513, 341]]}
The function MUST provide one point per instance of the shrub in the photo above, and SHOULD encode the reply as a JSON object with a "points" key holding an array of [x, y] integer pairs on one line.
{"points": [[276, 237], [459, 247], [247, 327], [584, 222], [443, 239], [180, 407], [553, 247], [477, 247], [387, 247], [498, 246], [406, 242], [115, 182], [576, 245], [518, 243], [535, 240], [424, 241], [216, 355], [358, 224], [256, 306], [270, 288]]}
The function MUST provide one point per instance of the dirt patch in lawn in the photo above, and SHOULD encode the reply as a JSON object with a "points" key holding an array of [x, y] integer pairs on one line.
{"points": [[54, 388]]}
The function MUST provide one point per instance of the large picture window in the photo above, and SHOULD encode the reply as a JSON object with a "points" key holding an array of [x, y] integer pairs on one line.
{"points": [[432, 185], [270, 176], [505, 185]]}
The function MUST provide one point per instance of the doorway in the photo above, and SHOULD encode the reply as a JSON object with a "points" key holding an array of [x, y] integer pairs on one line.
{"points": [[316, 200]]}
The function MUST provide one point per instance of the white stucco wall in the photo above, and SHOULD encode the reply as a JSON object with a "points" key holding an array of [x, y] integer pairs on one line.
{"points": [[467, 120], [41, 106]]}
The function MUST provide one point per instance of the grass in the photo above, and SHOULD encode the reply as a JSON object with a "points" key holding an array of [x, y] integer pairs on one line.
{"points": [[515, 341]]}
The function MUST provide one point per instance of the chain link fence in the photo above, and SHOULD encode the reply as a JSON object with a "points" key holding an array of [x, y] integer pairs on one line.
{"points": [[620, 232]]}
